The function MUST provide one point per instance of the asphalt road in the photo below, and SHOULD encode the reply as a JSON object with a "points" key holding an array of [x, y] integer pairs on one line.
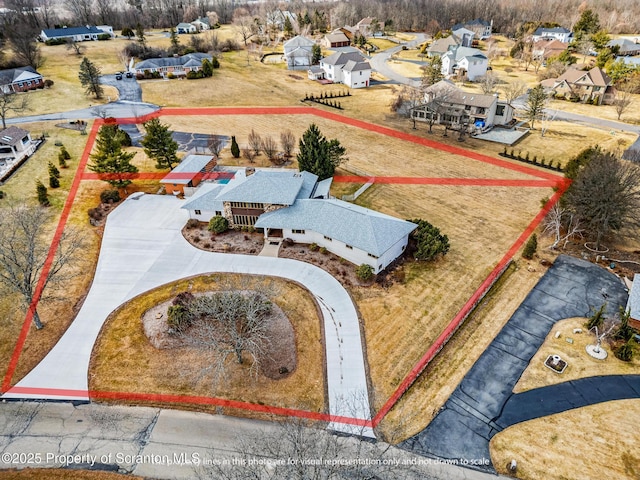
{"points": [[473, 413], [128, 88], [379, 61], [169, 444]]}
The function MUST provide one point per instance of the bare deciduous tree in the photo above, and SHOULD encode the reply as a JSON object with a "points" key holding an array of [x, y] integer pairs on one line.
{"points": [[488, 83], [249, 154], [255, 142], [623, 97], [513, 90], [12, 102], [243, 25], [605, 197], [24, 253], [215, 144], [562, 225], [270, 147], [287, 142], [74, 46]]}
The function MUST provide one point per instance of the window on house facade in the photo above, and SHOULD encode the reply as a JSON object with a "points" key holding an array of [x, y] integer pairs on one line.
{"points": [[245, 220], [349, 247], [218, 213], [480, 110], [298, 232], [467, 107], [500, 110], [198, 212], [372, 255], [328, 238]]}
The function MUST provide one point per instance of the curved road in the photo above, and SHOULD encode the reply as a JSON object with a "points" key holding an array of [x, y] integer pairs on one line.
{"points": [[143, 248], [379, 61]]}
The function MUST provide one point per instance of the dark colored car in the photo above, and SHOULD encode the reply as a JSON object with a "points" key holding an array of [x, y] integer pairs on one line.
{"points": [[118, 76], [129, 74]]}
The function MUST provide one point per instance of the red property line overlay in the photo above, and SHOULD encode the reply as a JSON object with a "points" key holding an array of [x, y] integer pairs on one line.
{"points": [[81, 174], [466, 309], [193, 400], [6, 384]]}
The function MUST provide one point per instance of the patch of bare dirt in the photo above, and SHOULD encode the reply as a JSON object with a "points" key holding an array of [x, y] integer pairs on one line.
{"points": [[622, 262], [231, 241], [278, 363]]}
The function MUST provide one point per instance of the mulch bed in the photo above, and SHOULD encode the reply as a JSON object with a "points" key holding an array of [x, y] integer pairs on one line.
{"points": [[232, 241]]}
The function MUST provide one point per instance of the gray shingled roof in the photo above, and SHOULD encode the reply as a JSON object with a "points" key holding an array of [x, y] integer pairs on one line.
{"points": [[309, 181], [12, 74], [189, 60], [299, 41], [276, 188], [359, 227], [352, 66], [341, 58], [12, 136], [206, 198], [322, 188], [69, 31]]}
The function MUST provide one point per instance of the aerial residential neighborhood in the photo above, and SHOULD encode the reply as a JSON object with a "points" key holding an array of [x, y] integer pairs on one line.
{"points": [[329, 239]]}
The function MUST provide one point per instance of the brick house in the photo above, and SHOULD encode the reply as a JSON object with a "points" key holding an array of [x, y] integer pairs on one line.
{"points": [[20, 79]]}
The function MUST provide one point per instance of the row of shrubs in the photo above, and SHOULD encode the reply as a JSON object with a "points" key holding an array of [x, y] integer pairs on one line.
{"points": [[324, 95], [534, 161], [328, 103], [62, 41]]}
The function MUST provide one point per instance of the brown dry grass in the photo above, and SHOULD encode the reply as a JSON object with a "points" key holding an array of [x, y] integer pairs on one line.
{"points": [[580, 364], [417, 408], [62, 474], [608, 112], [123, 359], [598, 441]]}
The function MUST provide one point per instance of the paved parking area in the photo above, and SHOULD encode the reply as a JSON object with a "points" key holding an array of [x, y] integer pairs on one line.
{"points": [[476, 411]]}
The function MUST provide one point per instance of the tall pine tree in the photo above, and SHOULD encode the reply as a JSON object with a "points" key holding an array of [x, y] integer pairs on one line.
{"points": [[109, 161], [159, 145], [318, 155], [90, 78]]}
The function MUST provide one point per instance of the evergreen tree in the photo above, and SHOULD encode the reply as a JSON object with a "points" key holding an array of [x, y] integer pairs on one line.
{"points": [[53, 181], [140, 35], [43, 197], [175, 41], [318, 155], [109, 160], [159, 145], [215, 63], [531, 247], [535, 104], [128, 32], [430, 242], [207, 68], [588, 24], [62, 161], [53, 171], [90, 78], [65, 153], [316, 54], [432, 71], [235, 149], [288, 27]]}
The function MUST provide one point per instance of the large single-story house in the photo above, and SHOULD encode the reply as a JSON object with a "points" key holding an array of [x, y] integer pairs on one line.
{"points": [[559, 33], [335, 39], [20, 79], [184, 27], [446, 104], [201, 24], [350, 68], [625, 46], [464, 62], [78, 34], [188, 173], [298, 52], [481, 28], [592, 86], [15, 145], [633, 305], [179, 66], [295, 205]]}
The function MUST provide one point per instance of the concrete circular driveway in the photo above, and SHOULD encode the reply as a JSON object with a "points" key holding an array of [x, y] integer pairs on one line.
{"points": [[143, 248]]}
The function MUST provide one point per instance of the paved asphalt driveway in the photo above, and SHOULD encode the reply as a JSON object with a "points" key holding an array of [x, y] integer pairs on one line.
{"points": [[143, 248], [128, 88], [472, 415]]}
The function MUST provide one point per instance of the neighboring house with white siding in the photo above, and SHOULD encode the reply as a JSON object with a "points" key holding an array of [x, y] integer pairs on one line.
{"points": [[464, 62], [350, 68], [298, 52], [295, 205]]}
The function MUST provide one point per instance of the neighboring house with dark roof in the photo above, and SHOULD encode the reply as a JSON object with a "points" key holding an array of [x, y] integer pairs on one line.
{"points": [[593, 86], [184, 27], [442, 45], [78, 34], [298, 52], [481, 28], [188, 173], [446, 104], [369, 27], [15, 145], [178, 66], [350, 68], [625, 46], [20, 79], [294, 205], [335, 39], [559, 33], [464, 62]]}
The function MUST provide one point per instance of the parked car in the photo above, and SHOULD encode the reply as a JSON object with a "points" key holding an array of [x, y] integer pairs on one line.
{"points": [[119, 76], [129, 74]]}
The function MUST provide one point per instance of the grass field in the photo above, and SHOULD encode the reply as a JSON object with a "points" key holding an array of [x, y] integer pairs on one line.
{"points": [[582, 444], [123, 360], [580, 364], [62, 474]]}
